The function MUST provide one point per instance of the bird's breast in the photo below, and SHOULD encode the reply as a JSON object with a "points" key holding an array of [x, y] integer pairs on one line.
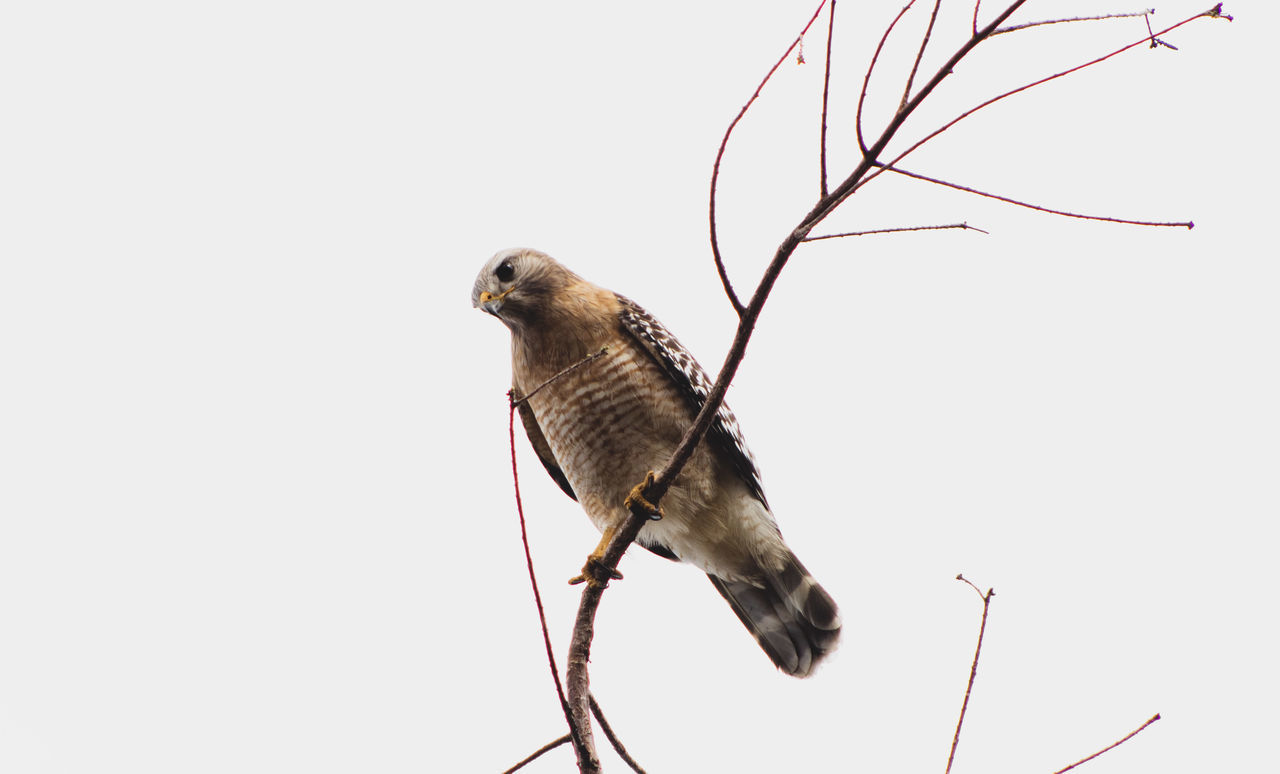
{"points": [[609, 422]]}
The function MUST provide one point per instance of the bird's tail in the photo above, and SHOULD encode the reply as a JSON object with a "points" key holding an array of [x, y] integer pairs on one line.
{"points": [[793, 618]]}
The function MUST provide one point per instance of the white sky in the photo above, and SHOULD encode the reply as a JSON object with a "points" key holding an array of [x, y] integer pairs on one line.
{"points": [[256, 505]]}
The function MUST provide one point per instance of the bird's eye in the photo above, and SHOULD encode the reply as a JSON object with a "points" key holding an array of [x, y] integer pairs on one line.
{"points": [[505, 271]]}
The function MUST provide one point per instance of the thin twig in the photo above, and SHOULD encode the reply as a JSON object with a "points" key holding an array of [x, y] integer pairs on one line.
{"points": [[976, 5], [579, 742], [1157, 42], [858, 176], [546, 748], [866, 79], [561, 373], [715, 170], [973, 670], [893, 231], [924, 43], [1184, 224], [851, 185], [1131, 735], [1029, 25], [826, 85], [613, 738]]}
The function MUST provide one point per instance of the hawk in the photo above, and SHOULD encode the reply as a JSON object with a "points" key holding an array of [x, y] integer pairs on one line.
{"points": [[601, 427]]}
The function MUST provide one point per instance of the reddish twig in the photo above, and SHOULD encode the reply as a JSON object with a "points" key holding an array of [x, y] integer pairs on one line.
{"points": [[1131, 735], [1215, 12], [579, 740], [826, 87], [866, 79], [897, 230], [976, 5], [1015, 27], [924, 43], [613, 738], [856, 179], [973, 670], [1184, 224], [715, 170], [546, 748]]}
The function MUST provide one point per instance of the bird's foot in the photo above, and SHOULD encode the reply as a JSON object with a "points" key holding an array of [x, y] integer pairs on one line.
{"points": [[595, 574], [636, 501]]}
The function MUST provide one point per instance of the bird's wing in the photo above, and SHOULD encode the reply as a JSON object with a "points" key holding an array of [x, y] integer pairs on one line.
{"points": [[540, 446], [724, 436]]}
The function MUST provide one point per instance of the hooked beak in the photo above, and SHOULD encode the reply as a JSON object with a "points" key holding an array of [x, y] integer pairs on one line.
{"points": [[492, 304]]}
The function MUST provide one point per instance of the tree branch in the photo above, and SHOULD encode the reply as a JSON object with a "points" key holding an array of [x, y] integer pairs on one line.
{"points": [[1185, 224], [715, 170], [613, 738], [924, 43], [866, 79], [578, 684], [1029, 25], [1215, 12], [973, 670], [897, 230], [826, 86], [1112, 746], [546, 748], [570, 369]]}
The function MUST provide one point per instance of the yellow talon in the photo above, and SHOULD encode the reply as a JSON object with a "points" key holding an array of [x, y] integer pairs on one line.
{"points": [[636, 502], [594, 573]]}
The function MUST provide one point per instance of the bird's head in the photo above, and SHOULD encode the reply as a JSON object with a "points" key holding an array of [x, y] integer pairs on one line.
{"points": [[516, 282]]}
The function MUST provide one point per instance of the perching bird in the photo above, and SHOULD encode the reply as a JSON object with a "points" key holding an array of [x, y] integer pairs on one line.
{"points": [[601, 427]]}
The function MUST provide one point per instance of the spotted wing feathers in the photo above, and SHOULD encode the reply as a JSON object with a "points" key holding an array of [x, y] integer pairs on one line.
{"points": [[724, 434]]}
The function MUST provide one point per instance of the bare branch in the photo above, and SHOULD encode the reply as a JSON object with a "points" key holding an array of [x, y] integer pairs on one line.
{"points": [[1184, 224], [976, 5], [656, 486], [826, 86], [855, 179], [613, 739], [561, 373], [851, 184], [1157, 42], [898, 230], [866, 79], [715, 170], [546, 748], [579, 683], [1029, 25], [924, 43], [580, 741], [973, 670], [1131, 735]]}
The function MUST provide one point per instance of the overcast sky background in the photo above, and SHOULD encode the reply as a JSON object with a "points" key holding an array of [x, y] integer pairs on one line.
{"points": [[256, 511]]}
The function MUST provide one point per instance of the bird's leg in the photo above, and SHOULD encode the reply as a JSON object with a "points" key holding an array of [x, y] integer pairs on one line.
{"points": [[594, 573], [636, 502]]}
